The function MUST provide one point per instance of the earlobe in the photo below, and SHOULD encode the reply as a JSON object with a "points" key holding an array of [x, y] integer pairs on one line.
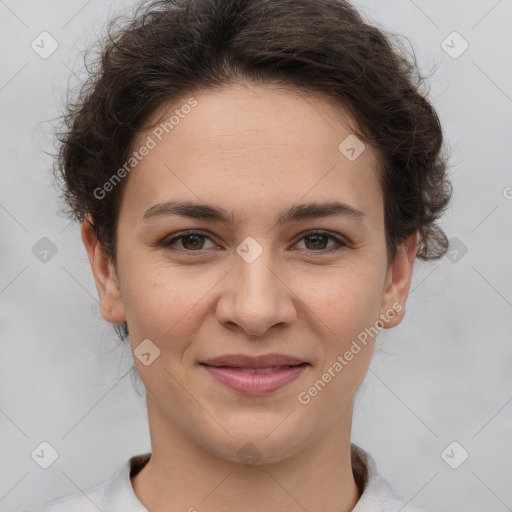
{"points": [[105, 277], [398, 282]]}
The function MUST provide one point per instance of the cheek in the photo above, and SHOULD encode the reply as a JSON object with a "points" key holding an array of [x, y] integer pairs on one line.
{"points": [[162, 302], [345, 311], [346, 301]]}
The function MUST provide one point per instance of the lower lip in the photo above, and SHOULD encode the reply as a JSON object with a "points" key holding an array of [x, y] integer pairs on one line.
{"points": [[255, 383]]}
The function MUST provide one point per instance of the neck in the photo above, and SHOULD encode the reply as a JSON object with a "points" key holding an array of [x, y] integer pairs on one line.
{"points": [[183, 475]]}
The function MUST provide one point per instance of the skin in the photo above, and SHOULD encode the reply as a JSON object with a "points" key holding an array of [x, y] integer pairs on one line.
{"points": [[252, 150]]}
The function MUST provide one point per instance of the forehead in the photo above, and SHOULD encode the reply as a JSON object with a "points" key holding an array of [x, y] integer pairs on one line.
{"points": [[261, 143], [258, 117]]}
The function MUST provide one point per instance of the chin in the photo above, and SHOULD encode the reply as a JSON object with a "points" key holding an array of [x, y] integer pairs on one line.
{"points": [[250, 448]]}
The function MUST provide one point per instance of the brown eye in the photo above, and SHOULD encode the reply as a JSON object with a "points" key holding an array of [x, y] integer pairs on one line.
{"points": [[191, 241], [318, 242]]}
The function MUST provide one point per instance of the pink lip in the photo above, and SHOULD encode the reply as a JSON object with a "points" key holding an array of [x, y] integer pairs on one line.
{"points": [[255, 383], [227, 369], [244, 361]]}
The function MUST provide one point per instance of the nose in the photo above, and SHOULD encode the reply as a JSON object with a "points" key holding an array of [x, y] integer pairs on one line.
{"points": [[256, 296]]}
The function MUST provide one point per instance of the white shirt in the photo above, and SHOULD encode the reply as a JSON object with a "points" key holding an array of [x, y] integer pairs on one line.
{"points": [[117, 495]]}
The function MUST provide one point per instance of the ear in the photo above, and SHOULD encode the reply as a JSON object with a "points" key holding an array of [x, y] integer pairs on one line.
{"points": [[398, 282], [111, 304]]}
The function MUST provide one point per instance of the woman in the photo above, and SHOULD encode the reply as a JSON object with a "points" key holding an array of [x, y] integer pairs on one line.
{"points": [[254, 180]]}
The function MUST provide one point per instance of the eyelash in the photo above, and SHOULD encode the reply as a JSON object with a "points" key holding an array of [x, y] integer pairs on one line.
{"points": [[169, 243]]}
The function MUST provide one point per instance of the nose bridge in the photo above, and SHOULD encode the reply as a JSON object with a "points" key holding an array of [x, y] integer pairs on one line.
{"points": [[255, 279], [258, 298]]}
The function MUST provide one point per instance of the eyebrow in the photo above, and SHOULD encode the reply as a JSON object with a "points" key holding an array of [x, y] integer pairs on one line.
{"points": [[210, 212]]}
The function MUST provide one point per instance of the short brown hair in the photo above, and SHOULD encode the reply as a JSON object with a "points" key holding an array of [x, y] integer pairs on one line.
{"points": [[173, 48]]}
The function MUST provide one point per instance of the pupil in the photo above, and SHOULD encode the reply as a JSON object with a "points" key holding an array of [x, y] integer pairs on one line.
{"points": [[317, 237], [189, 237]]}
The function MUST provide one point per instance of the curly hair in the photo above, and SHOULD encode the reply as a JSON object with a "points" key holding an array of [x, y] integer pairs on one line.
{"points": [[173, 48]]}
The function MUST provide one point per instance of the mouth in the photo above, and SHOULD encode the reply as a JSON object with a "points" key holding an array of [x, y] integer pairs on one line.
{"points": [[255, 375], [265, 361], [270, 369]]}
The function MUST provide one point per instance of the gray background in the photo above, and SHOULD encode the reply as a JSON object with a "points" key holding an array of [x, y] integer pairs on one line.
{"points": [[443, 375]]}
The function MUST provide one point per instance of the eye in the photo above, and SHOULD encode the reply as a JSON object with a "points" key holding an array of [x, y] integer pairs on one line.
{"points": [[191, 241], [316, 242], [194, 241]]}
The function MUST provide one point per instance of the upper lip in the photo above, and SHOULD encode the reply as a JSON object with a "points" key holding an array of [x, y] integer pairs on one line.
{"points": [[244, 361]]}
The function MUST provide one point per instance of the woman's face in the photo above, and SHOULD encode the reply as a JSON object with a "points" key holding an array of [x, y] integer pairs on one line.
{"points": [[259, 281]]}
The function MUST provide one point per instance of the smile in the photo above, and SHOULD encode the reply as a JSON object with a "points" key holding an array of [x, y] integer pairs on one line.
{"points": [[256, 381]]}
